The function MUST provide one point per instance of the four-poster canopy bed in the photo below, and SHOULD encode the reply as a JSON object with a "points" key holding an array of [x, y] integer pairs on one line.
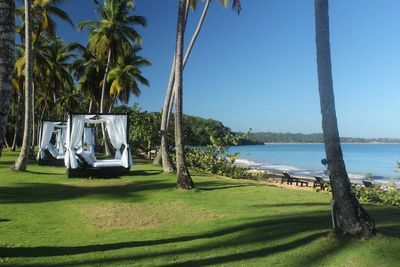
{"points": [[80, 159]]}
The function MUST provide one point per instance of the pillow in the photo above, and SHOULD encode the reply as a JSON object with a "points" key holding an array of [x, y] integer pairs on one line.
{"points": [[92, 156], [85, 156], [53, 151]]}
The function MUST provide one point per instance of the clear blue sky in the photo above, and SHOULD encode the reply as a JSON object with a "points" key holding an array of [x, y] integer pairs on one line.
{"points": [[258, 70]]}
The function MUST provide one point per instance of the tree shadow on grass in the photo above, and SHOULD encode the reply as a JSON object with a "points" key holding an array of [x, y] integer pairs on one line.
{"points": [[278, 234], [145, 172], [6, 164], [281, 205], [45, 173], [46, 192], [215, 185], [247, 232]]}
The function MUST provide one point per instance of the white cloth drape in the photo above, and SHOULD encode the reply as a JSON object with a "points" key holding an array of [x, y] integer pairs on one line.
{"points": [[75, 125], [88, 139], [112, 130], [61, 140], [121, 123], [47, 132]]}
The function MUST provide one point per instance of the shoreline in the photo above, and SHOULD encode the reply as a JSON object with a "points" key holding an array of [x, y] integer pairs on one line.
{"points": [[308, 143], [255, 166]]}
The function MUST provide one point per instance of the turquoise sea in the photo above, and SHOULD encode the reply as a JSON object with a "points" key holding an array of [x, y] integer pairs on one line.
{"points": [[379, 160]]}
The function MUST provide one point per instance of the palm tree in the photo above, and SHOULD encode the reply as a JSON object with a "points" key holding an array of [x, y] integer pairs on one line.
{"points": [[183, 177], [126, 74], [7, 42], [43, 23], [58, 58], [21, 162], [169, 96], [43, 14], [88, 70], [113, 33], [350, 217]]}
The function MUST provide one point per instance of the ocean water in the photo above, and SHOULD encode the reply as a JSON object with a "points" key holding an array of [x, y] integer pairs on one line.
{"points": [[379, 160]]}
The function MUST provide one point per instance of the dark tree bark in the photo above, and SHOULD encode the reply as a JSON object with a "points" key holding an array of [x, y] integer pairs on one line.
{"points": [[22, 160], [103, 89], [351, 218], [7, 44], [17, 122], [183, 177]]}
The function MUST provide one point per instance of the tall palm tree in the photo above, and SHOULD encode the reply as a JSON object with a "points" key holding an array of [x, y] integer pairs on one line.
{"points": [[89, 71], [183, 179], [350, 217], [113, 33], [43, 14], [21, 162], [58, 58], [43, 23], [7, 42], [126, 74], [169, 96]]}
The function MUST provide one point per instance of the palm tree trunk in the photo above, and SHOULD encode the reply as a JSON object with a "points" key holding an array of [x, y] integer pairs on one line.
{"points": [[103, 89], [350, 217], [169, 97], [90, 105], [33, 116], [7, 44], [5, 142], [21, 162], [17, 123], [183, 177], [14, 141]]}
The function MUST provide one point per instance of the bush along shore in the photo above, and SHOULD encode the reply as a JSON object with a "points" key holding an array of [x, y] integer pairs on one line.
{"points": [[215, 159]]}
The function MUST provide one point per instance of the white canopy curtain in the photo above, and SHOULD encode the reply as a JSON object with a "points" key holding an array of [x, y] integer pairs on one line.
{"points": [[121, 123], [117, 131], [88, 139], [61, 138], [75, 125], [47, 132], [112, 130]]}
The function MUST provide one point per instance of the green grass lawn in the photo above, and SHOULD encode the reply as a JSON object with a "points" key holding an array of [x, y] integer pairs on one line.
{"points": [[47, 219]]}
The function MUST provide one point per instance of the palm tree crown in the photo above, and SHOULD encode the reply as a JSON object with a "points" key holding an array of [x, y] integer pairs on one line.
{"points": [[114, 29]]}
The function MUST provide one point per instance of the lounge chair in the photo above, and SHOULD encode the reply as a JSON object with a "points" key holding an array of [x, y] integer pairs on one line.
{"points": [[290, 180], [320, 182], [368, 183]]}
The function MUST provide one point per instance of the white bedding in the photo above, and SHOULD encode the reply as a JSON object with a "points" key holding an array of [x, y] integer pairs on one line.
{"points": [[107, 163]]}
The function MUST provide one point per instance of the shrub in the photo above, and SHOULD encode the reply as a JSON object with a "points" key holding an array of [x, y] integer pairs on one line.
{"points": [[388, 195], [215, 159]]}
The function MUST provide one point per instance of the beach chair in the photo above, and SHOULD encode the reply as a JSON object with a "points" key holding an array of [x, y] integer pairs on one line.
{"points": [[368, 183], [321, 183], [290, 180]]}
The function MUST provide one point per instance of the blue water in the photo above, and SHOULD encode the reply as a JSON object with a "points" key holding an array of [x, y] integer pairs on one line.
{"points": [[361, 159]]}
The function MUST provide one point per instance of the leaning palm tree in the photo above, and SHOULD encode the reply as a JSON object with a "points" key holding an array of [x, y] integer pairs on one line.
{"points": [[169, 96], [7, 42], [21, 162], [349, 216]]}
